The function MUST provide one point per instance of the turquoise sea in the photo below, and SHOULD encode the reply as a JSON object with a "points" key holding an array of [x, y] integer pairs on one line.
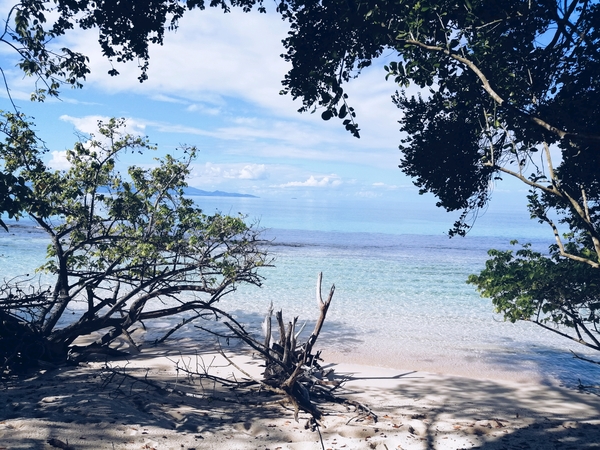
{"points": [[401, 299]]}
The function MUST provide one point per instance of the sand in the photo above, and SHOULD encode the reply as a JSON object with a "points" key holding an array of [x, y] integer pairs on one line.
{"points": [[95, 406]]}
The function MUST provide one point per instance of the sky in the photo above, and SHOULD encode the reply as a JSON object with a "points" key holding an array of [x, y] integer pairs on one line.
{"points": [[215, 85]]}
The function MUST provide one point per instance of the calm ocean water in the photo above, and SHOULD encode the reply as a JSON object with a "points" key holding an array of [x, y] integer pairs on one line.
{"points": [[401, 299]]}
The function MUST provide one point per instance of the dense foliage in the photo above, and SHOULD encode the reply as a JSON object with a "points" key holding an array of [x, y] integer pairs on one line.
{"points": [[123, 250], [501, 79]]}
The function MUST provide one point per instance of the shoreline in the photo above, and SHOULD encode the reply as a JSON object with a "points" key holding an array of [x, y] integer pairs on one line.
{"points": [[521, 371], [496, 364], [546, 365], [88, 408]]}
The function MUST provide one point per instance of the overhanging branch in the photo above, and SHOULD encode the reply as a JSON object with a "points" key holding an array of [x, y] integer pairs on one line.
{"points": [[562, 134]]}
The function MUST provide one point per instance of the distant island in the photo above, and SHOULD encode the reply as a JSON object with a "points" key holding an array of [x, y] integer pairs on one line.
{"points": [[193, 191], [200, 193]]}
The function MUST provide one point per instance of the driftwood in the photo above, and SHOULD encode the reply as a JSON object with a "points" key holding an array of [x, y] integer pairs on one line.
{"points": [[291, 368]]}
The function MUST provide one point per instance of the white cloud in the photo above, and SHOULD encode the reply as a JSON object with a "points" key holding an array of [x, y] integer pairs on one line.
{"points": [[211, 56], [271, 139], [368, 194], [166, 127], [380, 185], [227, 67], [250, 121], [253, 172], [219, 59], [199, 108], [168, 99], [312, 181], [210, 173], [59, 161], [89, 124]]}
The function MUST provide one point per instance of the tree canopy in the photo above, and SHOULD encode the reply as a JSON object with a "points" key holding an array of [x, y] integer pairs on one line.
{"points": [[123, 250], [501, 79]]}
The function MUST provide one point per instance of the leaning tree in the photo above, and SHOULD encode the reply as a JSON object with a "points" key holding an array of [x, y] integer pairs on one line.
{"points": [[123, 250]]}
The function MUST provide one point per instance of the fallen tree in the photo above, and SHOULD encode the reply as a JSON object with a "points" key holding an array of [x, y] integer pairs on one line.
{"points": [[122, 250]]}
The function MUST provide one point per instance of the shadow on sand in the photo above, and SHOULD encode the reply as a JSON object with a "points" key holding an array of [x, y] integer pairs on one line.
{"points": [[93, 407]]}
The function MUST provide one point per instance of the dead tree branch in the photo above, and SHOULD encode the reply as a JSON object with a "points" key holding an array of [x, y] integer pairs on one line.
{"points": [[292, 368]]}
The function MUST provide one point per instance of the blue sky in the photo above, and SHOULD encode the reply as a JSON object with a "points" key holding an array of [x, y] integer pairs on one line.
{"points": [[215, 85]]}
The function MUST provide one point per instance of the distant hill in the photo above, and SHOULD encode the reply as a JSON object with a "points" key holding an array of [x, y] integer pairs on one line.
{"points": [[200, 193], [192, 191]]}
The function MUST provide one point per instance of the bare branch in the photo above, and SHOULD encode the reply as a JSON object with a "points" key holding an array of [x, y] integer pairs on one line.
{"points": [[528, 182], [555, 330]]}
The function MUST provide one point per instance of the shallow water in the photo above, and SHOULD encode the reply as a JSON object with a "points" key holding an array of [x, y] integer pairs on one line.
{"points": [[401, 299]]}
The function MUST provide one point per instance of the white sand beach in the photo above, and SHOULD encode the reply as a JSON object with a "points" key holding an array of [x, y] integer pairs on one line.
{"points": [[89, 407]]}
